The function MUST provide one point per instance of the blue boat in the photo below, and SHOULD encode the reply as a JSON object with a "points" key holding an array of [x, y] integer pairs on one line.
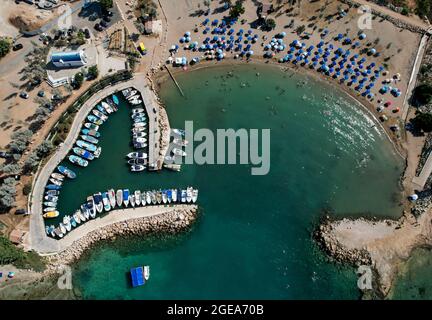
{"points": [[126, 197], [137, 276], [115, 99], [92, 133], [52, 187], [86, 145], [67, 172], [83, 153], [101, 109]]}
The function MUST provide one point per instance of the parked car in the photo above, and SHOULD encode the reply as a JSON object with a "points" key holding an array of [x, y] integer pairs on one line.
{"points": [[109, 13], [41, 94], [5, 155], [21, 211], [106, 19], [87, 33], [103, 23], [17, 47], [24, 95], [55, 97]]}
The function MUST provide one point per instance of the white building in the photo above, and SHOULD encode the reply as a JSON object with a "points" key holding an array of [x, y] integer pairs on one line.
{"points": [[69, 59]]}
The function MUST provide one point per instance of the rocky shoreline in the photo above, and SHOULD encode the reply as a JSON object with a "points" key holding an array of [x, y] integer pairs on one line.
{"points": [[171, 222]]}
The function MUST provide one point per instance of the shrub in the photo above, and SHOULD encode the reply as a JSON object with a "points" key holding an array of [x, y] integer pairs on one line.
{"points": [[5, 46], [10, 254], [423, 94], [7, 194], [27, 188], [422, 121]]}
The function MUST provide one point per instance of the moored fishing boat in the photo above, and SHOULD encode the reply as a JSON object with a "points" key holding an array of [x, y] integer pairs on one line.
{"points": [[138, 129], [50, 204], [178, 152], [91, 207], [77, 217], [141, 134], [178, 132], [83, 153], [115, 99], [67, 223], [132, 200], [48, 209], [107, 107], [140, 140], [135, 101], [89, 139], [146, 272], [148, 197], [153, 197], [100, 115], [52, 187], [183, 196], [131, 93], [62, 228], [137, 155], [77, 160], [138, 110], [174, 195], [57, 176], [67, 172], [139, 124], [164, 196], [194, 195], [189, 194], [159, 196], [58, 233], [86, 145], [126, 92], [126, 197], [85, 211], [97, 197], [119, 197], [92, 133], [98, 152], [137, 168], [143, 198], [56, 182], [111, 103], [102, 109], [52, 193], [51, 214], [132, 97], [137, 195], [51, 198], [106, 203], [91, 126], [94, 119], [112, 198]]}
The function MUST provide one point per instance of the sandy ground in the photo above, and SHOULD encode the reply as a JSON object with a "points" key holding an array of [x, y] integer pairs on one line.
{"points": [[388, 242]]}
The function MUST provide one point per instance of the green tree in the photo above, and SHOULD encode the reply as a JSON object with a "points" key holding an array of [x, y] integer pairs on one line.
{"points": [[5, 46], [93, 72], [7, 194], [78, 80], [44, 149], [27, 188], [422, 121], [237, 9], [423, 94], [270, 24], [106, 4]]}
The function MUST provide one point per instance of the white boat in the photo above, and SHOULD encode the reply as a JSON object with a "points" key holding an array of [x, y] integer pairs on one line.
{"points": [[133, 97], [107, 107], [146, 272], [81, 215], [180, 142], [141, 140], [112, 198], [106, 202], [148, 197], [135, 101], [164, 197], [77, 217], [138, 129], [139, 125], [159, 197], [56, 182], [119, 197], [130, 93], [98, 202], [126, 92], [132, 200], [143, 198], [137, 195], [174, 195], [98, 152], [141, 134], [49, 209], [91, 207], [137, 155], [138, 110], [57, 176], [137, 168], [179, 152], [62, 228], [194, 195], [189, 194], [153, 197], [178, 132], [183, 196]]}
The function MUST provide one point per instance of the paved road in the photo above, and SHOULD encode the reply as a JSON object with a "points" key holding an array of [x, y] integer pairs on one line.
{"points": [[39, 241]]}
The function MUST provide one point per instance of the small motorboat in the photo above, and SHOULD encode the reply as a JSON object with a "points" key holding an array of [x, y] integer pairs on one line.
{"points": [[48, 209], [52, 187], [91, 126], [180, 142], [137, 161], [164, 196], [140, 134], [138, 129], [92, 133], [91, 207], [135, 101], [137, 168], [143, 198], [115, 99], [112, 198], [56, 182], [51, 198], [132, 97], [174, 195], [137, 155], [86, 145], [153, 197], [102, 109], [137, 195], [194, 195], [51, 214], [183, 196], [146, 272], [178, 132], [132, 200], [139, 125], [100, 115], [90, 139], [131, 93], [57, 176], [77, 160], [67, 223], [189, 194], [83, 153], [76, 217], [81, 215], [106, 202], [62, 228], [138, 110], [97, 198], [126, 197], [159, 197], [107, 107], [148, 197], [85, 211], [67, 172], [119, 197], [50, 204], [95, 120], [169, 195], [98, 152], [140, 140], [52, 193]]}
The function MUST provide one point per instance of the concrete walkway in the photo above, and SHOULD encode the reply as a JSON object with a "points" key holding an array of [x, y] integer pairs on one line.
{"points": [[39, 241], [421, 179]]}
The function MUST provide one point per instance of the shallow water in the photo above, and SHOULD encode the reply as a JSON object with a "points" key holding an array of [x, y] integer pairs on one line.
{"points": [[253, 239]]}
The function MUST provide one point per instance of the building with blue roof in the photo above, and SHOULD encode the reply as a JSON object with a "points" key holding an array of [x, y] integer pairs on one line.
{"points": [[70, 59]]}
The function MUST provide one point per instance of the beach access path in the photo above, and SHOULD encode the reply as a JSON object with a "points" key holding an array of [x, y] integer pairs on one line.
{"points": [[39, 241]]}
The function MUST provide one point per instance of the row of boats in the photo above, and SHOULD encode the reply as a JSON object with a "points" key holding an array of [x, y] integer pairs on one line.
{"points": [[109, 200], [52, 191], [178, 142], [137, 160], [86, 148]]}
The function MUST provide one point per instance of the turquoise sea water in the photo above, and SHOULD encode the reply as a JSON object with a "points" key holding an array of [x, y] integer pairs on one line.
{"points": [[253, 237]]}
